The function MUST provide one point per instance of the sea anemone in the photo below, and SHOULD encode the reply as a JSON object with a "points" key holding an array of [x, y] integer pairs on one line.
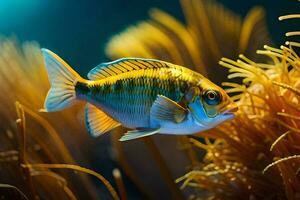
{"points": [[257, 155]]}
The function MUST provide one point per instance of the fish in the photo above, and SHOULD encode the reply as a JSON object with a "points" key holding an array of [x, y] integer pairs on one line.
{"points": [[147, 96]]}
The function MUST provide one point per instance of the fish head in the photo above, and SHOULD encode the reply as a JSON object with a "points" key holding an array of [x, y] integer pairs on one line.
{"points": [[209, 104]]}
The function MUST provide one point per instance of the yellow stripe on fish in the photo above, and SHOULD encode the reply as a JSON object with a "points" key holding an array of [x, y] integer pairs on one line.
{"points": [[148, 95]]}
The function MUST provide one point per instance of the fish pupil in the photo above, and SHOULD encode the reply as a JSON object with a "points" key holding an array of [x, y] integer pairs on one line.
{"points": [[212, 97]]}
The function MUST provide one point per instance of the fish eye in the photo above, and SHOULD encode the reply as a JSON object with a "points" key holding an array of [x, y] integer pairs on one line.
{"points": [[212, 97]]}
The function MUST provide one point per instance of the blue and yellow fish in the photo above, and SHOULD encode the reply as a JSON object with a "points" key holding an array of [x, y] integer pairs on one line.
{"points": [[147, 95]]}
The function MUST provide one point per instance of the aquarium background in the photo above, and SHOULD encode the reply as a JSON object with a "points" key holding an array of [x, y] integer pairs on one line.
{"points": [[79, 30]]}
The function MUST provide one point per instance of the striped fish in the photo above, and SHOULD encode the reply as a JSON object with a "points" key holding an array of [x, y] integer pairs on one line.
{"points": [[146, 95]]}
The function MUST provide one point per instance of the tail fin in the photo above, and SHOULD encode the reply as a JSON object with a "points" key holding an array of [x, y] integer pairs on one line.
{"points": [[62, 79]]}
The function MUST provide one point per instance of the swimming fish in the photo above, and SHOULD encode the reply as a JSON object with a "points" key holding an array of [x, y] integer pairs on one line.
{"points": [[146, 95]]}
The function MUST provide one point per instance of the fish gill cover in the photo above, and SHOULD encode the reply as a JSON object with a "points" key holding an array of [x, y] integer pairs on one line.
{"points": [[256, 156]]}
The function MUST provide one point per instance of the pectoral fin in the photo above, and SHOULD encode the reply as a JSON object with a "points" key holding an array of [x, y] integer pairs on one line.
{"points": [[97, 121], [130, 135], [165, 109]]}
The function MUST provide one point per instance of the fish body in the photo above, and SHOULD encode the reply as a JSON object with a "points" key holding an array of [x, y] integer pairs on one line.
{"points": [[128, 97], [147, 95]]}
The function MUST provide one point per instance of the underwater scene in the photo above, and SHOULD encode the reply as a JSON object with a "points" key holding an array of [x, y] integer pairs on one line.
{"points": [[149, 99]]}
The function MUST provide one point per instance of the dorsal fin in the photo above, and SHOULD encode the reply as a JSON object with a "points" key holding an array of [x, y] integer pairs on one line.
{"points": [[122, 65]]}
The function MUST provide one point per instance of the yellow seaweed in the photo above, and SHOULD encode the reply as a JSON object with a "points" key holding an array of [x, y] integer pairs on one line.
{"points": [[31, 137], [255, 156], [211, 32], [241, 154]]}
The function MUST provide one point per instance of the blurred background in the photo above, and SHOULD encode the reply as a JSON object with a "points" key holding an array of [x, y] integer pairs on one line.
{"points": [[79, 30]]}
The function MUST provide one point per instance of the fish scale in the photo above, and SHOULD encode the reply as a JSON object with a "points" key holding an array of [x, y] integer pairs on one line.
{"points": [[128, 98]]}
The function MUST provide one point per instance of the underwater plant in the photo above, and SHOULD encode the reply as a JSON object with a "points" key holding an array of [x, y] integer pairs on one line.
{"points": [[211, 32], [36, 160], [257, 155]]}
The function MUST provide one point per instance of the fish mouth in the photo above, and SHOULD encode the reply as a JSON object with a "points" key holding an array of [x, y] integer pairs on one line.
{"points": [[231, 109]]}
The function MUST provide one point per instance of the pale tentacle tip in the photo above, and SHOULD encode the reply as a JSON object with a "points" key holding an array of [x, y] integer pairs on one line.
{"points": [[259, 51]]}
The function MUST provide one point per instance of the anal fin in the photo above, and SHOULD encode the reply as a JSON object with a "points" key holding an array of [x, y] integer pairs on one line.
{"points": [[130, 135], [97, 121]]}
